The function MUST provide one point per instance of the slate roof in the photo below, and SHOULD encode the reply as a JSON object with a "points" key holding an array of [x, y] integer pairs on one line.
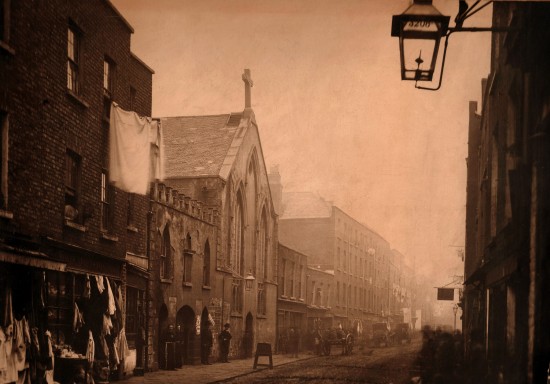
{"points": [[197, 145], [305, 205]]}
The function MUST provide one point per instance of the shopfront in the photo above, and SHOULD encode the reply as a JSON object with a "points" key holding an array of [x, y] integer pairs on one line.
{"points": [[63, 326]]}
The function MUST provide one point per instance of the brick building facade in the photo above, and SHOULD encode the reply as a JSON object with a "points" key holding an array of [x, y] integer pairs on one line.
{"points": [[292, 295], [367, 276], [62, 224], [506, 306]]}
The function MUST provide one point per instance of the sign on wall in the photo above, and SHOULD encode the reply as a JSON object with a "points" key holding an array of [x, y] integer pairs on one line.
{"points": [[445, 294]]}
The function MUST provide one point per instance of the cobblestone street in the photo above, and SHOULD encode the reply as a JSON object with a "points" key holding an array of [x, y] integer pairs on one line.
{"points": [[386, 365], [367, 365], [217, 372]]}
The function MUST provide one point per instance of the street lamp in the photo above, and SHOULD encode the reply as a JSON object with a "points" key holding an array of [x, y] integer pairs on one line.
{"points": [[420, 29], [249, 281]]}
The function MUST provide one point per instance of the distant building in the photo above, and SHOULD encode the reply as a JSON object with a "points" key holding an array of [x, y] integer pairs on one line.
{"points": [[507, 279], [358, 259], [292, 291], [218, 160], [319, 298]]}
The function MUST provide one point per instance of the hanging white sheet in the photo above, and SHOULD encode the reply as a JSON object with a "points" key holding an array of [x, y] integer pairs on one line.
{"points": [[132, 164]]}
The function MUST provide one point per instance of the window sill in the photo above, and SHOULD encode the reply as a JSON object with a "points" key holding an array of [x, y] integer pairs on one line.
{"points": [[131, 228], [301, 299], [5, 47], [109, 237], [236, 314], [73, 225], [187, 284], [261, 316], [166, 281], [284, 296], [6, 214], [77, 98], [206, 287]]}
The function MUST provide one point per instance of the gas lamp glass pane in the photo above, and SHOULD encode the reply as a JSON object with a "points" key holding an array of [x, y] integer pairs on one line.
{"points": [[417, 58]]}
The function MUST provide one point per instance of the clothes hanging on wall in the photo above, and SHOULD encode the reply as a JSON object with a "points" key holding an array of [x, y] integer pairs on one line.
{"points": [[90, 350], [100, 284], [50, 359], [111, 308], [87, 288], [121, 344], [78, 320], [20, 343], [3, 354], [35, 367]]}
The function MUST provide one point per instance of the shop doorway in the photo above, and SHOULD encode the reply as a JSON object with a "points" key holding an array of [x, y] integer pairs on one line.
{"points": [[185, 319], [163, 328], [248, 338]]}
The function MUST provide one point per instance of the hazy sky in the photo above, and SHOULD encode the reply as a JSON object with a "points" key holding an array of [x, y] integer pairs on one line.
{"points": [[330, 104]]}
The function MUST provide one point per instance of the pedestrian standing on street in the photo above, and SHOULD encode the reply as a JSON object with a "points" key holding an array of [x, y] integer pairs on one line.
{"points": [[206, 344], [224, 339], [295, 341], [179, 346], [170, 348]]}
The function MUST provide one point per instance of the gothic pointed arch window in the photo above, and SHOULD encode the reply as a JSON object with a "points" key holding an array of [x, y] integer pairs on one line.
{"points": [[263, 247], [237, 256], [206, 265], [188, 252], [165, 254], [252, 185], [262, 263]]}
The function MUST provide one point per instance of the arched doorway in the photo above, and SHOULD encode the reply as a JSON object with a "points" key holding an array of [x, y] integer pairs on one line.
{"points": [[185, 322], [163, 328], [248, 338]]}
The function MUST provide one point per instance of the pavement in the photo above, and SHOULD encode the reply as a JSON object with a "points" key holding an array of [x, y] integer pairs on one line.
{"points": [[215, 373]]}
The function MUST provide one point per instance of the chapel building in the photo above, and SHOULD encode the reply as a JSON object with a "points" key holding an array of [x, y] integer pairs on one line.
{"points": [[218, 160]]}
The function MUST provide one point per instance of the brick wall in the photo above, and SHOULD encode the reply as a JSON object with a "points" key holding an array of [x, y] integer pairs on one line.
{"points": [[45, 119]]}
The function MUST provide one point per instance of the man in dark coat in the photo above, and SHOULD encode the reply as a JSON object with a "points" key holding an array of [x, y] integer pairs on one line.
{"points": [[170, 348], [206, 343], [224, 338]]}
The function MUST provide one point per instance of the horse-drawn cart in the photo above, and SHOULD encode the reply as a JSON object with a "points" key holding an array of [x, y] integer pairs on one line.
{"points": [[325, 339]]}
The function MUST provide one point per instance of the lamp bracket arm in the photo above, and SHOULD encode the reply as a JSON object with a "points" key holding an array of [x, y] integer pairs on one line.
{"points": [[442, 66], [472, 11], [482, 29]]}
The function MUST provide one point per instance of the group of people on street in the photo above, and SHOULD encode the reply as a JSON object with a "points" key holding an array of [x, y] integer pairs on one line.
{"points": [[289, 342], [173, 355], [440, 360]]}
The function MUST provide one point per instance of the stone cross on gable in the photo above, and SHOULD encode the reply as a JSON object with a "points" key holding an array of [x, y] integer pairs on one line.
{"points": [[248, 83]]}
